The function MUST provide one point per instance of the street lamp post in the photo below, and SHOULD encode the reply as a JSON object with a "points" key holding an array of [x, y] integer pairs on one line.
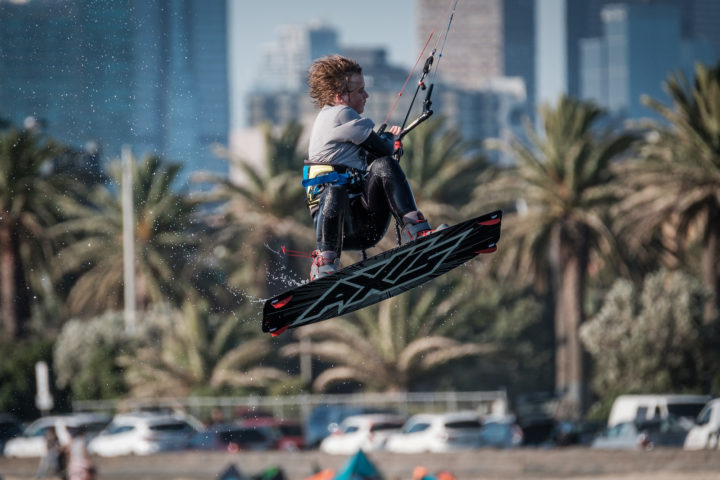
{"points": [[128, 239]]}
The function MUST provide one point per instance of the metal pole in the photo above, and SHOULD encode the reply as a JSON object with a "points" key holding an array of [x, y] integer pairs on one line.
{"points": [[128, 239], [305, 359]]}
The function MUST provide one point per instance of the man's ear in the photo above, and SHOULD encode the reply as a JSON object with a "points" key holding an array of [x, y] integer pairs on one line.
{"points": [[339, 100]]}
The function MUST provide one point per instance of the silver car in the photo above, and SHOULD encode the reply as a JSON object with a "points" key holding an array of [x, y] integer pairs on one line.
{"points": [[144, 433], [32, 442]]}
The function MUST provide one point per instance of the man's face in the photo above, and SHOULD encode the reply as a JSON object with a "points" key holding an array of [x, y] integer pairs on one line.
{"points": [[355, 96]]}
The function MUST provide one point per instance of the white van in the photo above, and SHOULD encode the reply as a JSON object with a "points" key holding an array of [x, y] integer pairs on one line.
{"points": [[628, 408], [707, 428]]}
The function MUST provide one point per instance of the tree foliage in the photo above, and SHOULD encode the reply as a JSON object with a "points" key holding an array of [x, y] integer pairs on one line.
{"points": [[165, 236], [171, 353], [651, 340], [674, 188], [27, 208], [389, 346], [263, 209], [559, 193]]}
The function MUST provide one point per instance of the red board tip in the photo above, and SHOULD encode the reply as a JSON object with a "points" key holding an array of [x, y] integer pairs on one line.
{"points": [[279, 331]]}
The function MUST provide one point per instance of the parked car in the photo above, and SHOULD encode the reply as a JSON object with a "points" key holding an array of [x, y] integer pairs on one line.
{"points": [[642, 435], [362, 432], [568, 432], [501, 433], [325, 419], [629, 408], [232, 437], [144, 433], [10, 427], [705, 432], [288, 435], [437, 432], [32, 441]]}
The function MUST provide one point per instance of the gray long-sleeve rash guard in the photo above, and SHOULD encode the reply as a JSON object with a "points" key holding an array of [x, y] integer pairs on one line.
{"points": [[336, 136]]}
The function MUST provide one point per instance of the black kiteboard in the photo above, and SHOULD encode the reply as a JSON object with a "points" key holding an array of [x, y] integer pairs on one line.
{"points": [[382, 276]]}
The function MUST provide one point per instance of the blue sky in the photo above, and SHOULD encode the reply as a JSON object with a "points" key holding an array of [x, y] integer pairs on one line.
{"points": [[388, 23]]}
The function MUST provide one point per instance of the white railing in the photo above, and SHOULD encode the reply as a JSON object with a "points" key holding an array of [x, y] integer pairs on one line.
{"points": [[299, 406]]}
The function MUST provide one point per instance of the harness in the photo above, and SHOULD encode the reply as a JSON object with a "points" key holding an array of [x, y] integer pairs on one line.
{"points": [[317, 177]]}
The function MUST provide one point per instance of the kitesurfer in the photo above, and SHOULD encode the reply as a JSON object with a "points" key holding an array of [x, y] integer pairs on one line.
{"points": [[355, 185]]}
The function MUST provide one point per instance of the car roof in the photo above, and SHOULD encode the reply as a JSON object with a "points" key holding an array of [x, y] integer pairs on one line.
{"points": [[146, 417], [71, 419], [444, 417], [374, 417], [226, 427], [267, 422]]}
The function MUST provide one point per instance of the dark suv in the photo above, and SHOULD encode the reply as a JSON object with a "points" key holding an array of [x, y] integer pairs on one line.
{"points": [[10, 427]]}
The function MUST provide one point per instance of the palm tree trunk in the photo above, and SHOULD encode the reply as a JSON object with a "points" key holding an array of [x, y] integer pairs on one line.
{"points": [[570, 264], [14, 304], [710, 269]]}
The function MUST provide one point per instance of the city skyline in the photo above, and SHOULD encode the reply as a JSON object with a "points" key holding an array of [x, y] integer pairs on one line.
{"points": [[173, 77], [393, 28]]}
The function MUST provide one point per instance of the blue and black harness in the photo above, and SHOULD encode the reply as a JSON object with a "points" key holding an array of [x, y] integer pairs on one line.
{"points": [[317, 177]]}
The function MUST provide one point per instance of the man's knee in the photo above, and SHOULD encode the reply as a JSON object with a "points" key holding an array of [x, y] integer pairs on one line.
{"points": [[385, 167]]}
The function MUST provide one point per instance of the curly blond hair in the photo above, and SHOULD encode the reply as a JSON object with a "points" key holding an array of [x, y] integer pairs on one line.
{"points": [[329, 76]]}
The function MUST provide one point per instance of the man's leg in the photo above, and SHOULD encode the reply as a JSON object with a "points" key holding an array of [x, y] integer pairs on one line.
{"points": [[329, 231]]}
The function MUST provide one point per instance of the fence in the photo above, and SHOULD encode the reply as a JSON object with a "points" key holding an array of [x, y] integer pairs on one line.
{"points": [[299, 406]]}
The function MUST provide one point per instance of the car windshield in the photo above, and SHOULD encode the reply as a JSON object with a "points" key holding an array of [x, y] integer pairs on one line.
{"points": [[243, 435], [291, 430], [94, 427], [114, 429], [36, 430], [377, 427], [685, 409], [416, 427], [170, 427], [464, 424]]}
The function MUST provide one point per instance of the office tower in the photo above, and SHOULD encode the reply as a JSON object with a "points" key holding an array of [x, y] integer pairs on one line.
{"points": [[641, 45], [564, 25], [151, 75], [285, 61], [279, 93], [488, 39]]}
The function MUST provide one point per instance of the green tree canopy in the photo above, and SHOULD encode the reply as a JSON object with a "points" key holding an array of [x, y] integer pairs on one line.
{"points": [[651, 340], [262, 209], [559, 193], [28, 196], [165, 234], [388, 346], [676, 182]]}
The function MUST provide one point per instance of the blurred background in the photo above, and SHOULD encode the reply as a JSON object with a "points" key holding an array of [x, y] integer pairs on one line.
{"points": [[150, 157]]}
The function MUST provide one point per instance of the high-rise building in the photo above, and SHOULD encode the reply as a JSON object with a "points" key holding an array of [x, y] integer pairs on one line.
{"points": [[280, 94], [488, 39], [285, 61], [152, 75], [487, 68], [563, 26], [640, 46]]}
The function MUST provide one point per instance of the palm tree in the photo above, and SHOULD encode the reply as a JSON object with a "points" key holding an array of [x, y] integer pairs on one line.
{"points": [[191, 350], [562, 187], [27, 196], [263, 209], [91, 241], [676, 183], [442, 168], [389, 346]]}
